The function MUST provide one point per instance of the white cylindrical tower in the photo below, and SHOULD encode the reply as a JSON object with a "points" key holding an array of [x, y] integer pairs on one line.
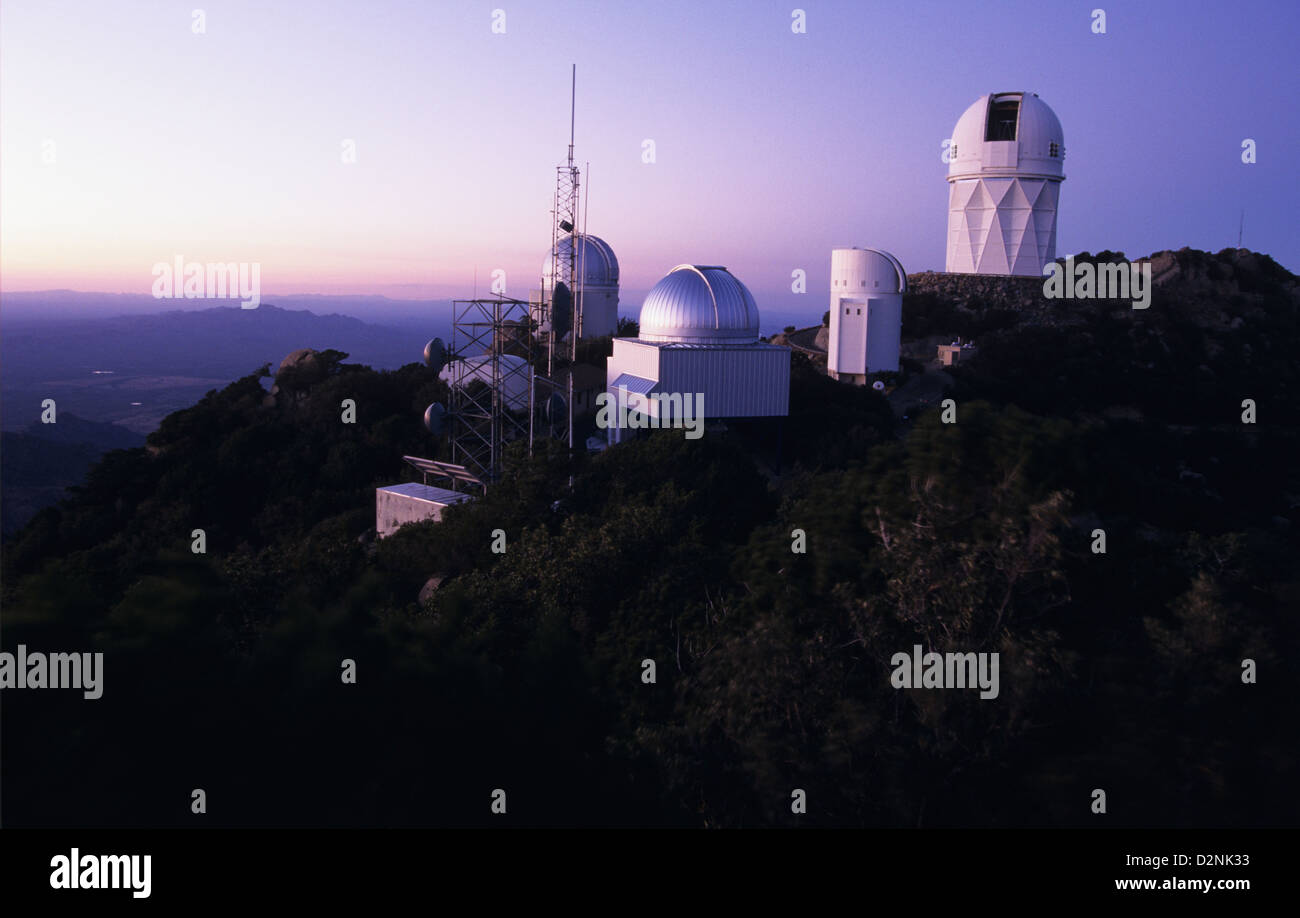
{"points": [[598, 268], [1006, 167], [867, 287]]}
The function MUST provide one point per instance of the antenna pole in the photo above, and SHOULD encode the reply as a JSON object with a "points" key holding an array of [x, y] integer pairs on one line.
{"points": [[549, 297], [582, 269], [573, 98], [580, 303]]}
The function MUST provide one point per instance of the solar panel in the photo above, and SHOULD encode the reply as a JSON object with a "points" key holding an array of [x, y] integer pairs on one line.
{"points": [[428, 467]]}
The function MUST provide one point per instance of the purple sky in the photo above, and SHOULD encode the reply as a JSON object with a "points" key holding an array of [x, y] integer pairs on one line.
{"points": [[771, 147]]}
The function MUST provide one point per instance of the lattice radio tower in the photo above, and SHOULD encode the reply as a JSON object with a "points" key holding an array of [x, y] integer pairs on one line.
{"points": [[493, 399], [566, 261], [491, 391]]}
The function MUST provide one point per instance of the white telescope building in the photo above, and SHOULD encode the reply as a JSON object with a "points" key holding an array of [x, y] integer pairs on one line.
{"points": [[598, 268], [867, 287], [699, 337], [1005, 172]]}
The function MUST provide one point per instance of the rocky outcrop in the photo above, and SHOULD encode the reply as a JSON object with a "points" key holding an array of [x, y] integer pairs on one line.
{"points": [[298, 372], [1213, 290], [978, 289], [430, 587]]}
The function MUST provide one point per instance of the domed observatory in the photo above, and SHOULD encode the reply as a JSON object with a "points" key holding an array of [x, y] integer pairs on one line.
{"points": [[1005, 173], [867, 287], [698, 337], [598, 268]]}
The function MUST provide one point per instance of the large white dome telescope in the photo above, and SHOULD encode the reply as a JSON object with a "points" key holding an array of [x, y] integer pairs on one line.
{"points": [[1007, 164]]}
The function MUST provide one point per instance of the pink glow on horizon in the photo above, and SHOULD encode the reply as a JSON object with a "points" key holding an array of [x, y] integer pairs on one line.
{"points": [[771, 147]]}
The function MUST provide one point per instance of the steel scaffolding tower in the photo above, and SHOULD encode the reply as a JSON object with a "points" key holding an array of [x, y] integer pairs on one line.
{"points": [[491, 398]]}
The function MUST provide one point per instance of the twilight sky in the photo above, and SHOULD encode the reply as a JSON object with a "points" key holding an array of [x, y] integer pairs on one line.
{"points": [[771, 147]]}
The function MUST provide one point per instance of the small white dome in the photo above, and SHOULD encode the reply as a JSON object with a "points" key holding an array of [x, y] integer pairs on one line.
{"points": [[513, 372], [1009, 133], [870, 271], [699, 304], [596, 261]]}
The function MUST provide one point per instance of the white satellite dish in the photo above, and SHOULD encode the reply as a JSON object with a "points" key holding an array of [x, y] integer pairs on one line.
{"points": [[878, 385]]}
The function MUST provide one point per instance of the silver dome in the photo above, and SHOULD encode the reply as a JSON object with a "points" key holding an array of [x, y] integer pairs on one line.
{"points": [[595, 260], [699, 304]]}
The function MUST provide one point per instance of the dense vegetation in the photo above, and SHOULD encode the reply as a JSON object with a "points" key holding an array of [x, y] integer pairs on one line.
{"points": [[523, 671]]}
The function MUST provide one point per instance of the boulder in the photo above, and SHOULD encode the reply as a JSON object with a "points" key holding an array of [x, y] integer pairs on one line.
{"points": [[299, 370], [430, 587]]}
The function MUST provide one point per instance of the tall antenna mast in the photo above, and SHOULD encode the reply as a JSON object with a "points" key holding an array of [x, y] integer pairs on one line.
{"points": [[577, 270], [564, 267], [1241, 226]]}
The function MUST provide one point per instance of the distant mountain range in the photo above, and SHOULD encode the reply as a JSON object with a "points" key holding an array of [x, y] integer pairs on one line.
{"points": [[114, 378], [76, 304], [133, 370], [38, 464]]}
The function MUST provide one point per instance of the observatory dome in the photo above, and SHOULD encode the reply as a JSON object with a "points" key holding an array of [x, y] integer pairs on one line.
{"points": [[699, 304], [595, 260], [868, 272], [1008, 133], [866, 314]]}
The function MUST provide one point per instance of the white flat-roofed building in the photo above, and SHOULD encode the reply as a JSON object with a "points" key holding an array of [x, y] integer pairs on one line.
{"points": [[412, 502]]}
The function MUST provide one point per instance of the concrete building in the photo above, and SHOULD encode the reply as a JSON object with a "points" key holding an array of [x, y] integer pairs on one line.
{"points": [[399, 504], [866, 314], [1006, 167], [956, 352], [699, 336]]}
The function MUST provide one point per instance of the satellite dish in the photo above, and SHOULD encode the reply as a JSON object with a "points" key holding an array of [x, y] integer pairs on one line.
{"points": [[435, 355], [561, 310], [878, 385], [433, 418]]}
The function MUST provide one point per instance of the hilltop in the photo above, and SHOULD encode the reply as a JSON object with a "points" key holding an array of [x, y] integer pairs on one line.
{"points": [[525, 668], [1220, 328]]}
